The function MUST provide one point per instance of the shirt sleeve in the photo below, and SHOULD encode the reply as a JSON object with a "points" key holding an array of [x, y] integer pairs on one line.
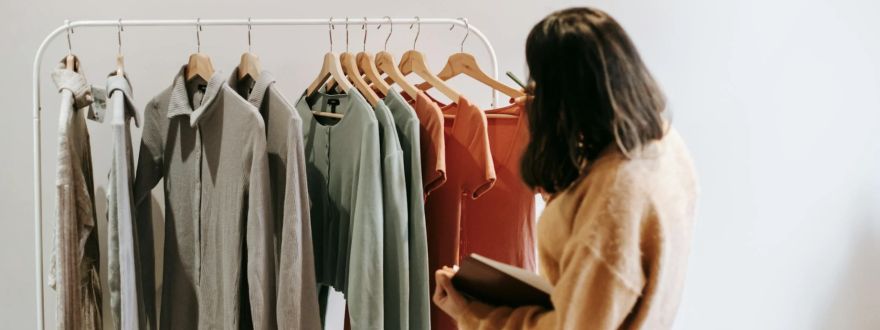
{"points": [[395, 239], [482, 178], [365, 288], [149, 172], [260, 237], [297, 286]]}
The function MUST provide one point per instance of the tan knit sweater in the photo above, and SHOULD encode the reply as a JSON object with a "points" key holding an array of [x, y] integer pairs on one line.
{"points": [[614, 245]]}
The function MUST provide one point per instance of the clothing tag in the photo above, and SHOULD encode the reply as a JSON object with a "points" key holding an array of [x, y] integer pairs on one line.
{"points": [[333, 103], [98, 108]]}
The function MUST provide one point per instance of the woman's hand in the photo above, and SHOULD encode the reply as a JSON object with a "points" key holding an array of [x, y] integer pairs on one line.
{"points": [[446, 296]]}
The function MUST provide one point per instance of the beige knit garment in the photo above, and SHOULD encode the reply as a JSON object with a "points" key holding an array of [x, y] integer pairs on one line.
{"points": [[73, 268], [614, 245]]}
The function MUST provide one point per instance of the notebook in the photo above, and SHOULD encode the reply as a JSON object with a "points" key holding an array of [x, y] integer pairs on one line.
{"points": [[500, 284]]}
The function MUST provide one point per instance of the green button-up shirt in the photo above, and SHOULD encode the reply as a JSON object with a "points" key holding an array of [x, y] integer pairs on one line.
{"points": [[407, 124], [345, 188]]}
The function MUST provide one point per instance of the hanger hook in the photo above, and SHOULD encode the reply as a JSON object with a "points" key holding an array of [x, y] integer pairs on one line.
{"points": [[330, 29], [418, 30], [249, 36], [198, 35], [346, 34], [119, 36], [364, 27], [69, 32], [467, 27], [390, 31]]}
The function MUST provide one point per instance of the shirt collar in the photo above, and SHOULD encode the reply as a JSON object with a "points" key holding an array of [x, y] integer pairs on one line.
{"points": [[393, 98], [258, 92], [179, 104], [121, 83]]}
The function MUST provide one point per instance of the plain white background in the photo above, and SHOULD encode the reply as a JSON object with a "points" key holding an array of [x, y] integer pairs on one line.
{"points": [[779, 102]]}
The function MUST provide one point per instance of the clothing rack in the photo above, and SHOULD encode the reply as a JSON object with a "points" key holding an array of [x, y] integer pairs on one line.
{"points": [[68, 26]]}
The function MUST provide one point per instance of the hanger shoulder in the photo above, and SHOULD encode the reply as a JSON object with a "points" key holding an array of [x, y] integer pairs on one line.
{"points": [[249, 65], [70, 63], [385, 63], [326, 67], [199, 65], [337, 73], [366, 65], [406, 62], [120, 65], [350, 67], [417, 64]]}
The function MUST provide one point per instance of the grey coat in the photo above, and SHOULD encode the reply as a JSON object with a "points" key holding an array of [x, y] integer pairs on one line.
{"points": [[219, 232]]}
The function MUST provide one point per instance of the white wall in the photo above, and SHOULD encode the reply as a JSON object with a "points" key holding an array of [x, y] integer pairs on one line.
{"points": [[778, 101]]}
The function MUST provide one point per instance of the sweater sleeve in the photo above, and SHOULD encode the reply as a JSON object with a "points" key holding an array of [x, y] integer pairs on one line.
{"points": [[589, 295], [364, 290], [260, 237], [297, 286], [600, 275]]}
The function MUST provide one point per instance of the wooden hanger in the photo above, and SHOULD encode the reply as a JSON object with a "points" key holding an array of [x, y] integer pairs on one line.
{"points": [[249, 66], [250, 63], [385, 64], [413, 61], [367, 66], [349, 67], [464, 63], [199, 64], [70, 61], [329, 68]]}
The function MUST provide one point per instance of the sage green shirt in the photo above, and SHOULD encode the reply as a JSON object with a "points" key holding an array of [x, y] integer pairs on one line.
{"points": [[210, 149], [407, 124], [394, 208], [345, 188]]}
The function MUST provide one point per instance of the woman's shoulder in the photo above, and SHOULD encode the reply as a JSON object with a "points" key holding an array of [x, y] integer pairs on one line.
{"points": [[655, 168], [657, 179]]}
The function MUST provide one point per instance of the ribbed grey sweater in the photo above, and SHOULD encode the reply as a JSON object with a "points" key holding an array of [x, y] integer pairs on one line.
{"points": [[219, 232]]}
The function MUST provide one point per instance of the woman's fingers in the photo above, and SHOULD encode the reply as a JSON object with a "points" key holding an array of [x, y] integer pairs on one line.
{"points": [[440, 289]]}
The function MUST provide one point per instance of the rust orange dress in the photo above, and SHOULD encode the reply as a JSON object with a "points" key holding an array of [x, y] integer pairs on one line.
{"points": [[469, 174], [501, 223]]}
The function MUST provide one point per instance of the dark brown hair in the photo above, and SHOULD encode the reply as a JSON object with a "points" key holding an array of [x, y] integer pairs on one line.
{"points": [[588, 88]]}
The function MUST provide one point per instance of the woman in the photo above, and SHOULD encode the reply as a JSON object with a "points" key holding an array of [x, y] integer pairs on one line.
{"points": [[614, 237]]}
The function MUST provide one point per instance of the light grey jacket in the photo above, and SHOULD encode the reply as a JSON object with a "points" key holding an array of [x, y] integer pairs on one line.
{"points": [[126, 307], [74, 265], [297, 287], [219, 232]]}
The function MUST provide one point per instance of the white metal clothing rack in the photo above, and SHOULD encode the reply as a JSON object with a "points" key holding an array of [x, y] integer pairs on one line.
{"points": [[38, 60]]}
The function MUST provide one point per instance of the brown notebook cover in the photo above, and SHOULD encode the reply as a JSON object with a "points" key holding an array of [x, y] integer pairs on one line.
{"points": [[501, 284]]}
